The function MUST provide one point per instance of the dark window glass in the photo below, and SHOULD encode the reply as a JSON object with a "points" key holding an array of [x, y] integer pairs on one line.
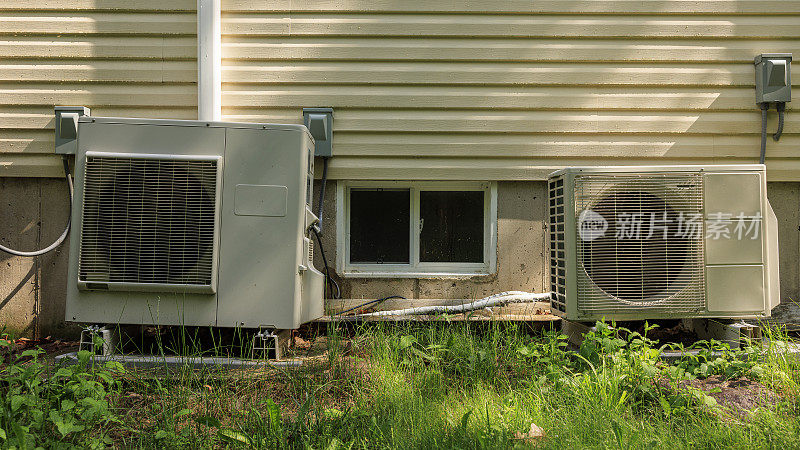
{"points": [[380, 222], [452, 226]]}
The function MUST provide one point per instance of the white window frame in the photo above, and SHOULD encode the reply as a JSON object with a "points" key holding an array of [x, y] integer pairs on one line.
{"points": [[416, 269]]}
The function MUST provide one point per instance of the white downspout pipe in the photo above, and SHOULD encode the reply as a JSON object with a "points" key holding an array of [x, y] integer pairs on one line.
{"points": [[209, 61]]}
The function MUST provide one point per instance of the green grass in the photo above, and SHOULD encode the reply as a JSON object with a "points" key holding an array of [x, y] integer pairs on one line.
{"points": [[435, 385]]}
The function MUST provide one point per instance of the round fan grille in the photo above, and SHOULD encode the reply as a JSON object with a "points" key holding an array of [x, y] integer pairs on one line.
{"points": [[644, 254]]}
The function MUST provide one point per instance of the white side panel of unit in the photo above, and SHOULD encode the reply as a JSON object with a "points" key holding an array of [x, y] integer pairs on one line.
{"points": [[261, 247], [736, 276], [731, 250], [732, 193], [772, 259], [735, 289], [313, 285]]}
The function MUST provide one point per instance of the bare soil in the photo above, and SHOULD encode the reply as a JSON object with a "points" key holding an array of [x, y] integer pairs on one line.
{"points": [[739, 396], [51, 347]]}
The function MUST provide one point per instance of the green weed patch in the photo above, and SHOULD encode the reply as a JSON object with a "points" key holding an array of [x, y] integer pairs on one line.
{"points": [[440, 385]]}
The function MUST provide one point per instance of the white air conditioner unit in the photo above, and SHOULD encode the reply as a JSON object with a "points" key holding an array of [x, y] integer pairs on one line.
{"points": [[192, 223], [630, 243]]}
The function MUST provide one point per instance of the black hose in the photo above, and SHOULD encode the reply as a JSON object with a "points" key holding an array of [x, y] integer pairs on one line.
{"points": [[322, 193], [380, 300], [331, 283], [781, 106], [764, 107]]}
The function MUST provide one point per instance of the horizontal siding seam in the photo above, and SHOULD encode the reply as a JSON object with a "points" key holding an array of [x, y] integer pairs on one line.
{"points": [[489, 12]]}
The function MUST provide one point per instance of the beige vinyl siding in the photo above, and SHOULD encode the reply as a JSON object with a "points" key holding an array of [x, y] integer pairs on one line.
{"points": [[624, 7], [512, 90], [120, 58], [453, 89]]}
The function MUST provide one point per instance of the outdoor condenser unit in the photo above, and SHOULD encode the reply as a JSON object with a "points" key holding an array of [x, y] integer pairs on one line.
{"points": [[192, 223], [629, 243]]}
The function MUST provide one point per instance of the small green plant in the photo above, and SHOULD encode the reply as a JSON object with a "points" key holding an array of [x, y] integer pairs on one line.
{"points": [[549, 357], [42, 406], [713, 357]]}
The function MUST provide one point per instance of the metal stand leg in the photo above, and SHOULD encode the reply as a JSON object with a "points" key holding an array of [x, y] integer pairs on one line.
{"points": [[271, 344], [98, 340]]}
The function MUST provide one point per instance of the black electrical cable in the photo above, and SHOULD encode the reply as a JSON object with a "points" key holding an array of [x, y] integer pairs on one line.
{"points": [[64, 234], [324, 259], [764, 108], [378, 301], [330, 281], [781, 106], [322, 193], [317, 229]]}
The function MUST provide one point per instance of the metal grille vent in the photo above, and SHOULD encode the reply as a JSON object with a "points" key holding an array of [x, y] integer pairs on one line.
{"points": [[148, 220], [310, 245], [557, 256], [647, 251]]}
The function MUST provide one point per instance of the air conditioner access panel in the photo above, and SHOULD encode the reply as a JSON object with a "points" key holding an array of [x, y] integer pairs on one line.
{"points": [[668, 270]]}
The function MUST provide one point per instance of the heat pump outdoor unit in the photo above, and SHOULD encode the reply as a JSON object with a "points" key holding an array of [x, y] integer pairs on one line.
{"points": [[192, 223], [630, 243]]}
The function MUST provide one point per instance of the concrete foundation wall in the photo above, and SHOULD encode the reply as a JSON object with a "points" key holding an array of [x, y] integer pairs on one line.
{"points": [[521, 247], [32, 290], [785, 201], [34, 211]]}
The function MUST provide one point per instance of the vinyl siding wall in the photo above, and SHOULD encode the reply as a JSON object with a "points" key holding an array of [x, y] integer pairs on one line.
{"points": [[424, 90], [511, 90], [119, 57]]}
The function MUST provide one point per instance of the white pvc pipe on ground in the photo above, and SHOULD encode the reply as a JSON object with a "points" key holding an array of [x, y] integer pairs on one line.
{"points": [[501, 299]]}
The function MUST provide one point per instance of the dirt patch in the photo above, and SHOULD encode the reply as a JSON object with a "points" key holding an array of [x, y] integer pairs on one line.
{"points": [[50, 346], [739, 396], [231, 395]]}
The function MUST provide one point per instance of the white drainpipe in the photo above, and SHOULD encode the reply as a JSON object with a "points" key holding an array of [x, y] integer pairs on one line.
{"points": [[209, 61]]}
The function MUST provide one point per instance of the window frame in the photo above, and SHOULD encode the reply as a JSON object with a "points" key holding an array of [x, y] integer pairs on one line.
{"points": [[416, 269]]}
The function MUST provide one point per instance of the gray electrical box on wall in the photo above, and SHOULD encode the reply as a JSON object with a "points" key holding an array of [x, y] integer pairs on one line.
{"points": [[773, 77], [67, 128], [319, 122]]}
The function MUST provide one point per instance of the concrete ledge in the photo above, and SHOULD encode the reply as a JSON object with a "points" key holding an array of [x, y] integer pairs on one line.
{"points": [[179, 362]]}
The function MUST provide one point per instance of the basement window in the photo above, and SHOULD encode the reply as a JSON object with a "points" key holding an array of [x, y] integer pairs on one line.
{"points": [[413, 229], [375, 216]]}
